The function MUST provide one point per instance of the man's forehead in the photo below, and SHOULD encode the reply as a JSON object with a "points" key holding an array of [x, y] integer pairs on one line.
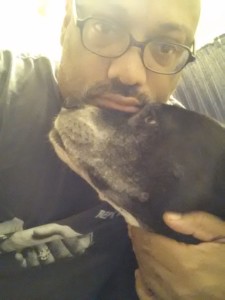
{"points": [[168, 15], [126, 6]]}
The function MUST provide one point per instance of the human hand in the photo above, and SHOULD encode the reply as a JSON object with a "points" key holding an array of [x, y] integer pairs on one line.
{"points": [[10, 226], [7, 228], [173, 270], [142, 291], [45, 244], [22, 239], [68, 244]]}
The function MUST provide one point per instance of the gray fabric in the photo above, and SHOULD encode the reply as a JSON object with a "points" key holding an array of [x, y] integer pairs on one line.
{"points": [[202, 86]]}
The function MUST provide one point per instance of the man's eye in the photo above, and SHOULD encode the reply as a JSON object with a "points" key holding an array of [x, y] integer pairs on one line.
{"points": [[164, 54], [167, 49], [105, 28]]}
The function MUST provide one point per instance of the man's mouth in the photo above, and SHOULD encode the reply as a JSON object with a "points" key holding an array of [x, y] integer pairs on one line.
{"points": [[116, 102]]}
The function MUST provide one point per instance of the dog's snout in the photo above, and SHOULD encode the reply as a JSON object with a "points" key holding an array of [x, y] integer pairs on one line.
{"points": [[144, 118]]}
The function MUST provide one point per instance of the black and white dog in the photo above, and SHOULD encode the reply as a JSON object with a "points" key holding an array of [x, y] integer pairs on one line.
{"points": [[163, 158]]}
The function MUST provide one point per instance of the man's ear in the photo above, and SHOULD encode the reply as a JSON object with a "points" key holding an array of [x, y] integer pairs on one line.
{"points": [[67, 18]]}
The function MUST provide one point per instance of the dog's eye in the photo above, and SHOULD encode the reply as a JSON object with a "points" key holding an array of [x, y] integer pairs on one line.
{"points": [[150, 120], [143, 197]]}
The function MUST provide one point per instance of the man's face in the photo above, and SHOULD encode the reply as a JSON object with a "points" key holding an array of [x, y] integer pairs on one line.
{"points": [[82, 72]]}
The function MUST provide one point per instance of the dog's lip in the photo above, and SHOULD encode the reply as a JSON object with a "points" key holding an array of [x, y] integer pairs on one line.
{"points": [[56, 138], [116, 102]]}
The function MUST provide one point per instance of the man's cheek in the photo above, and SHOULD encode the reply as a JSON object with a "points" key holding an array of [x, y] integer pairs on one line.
{"points": [[162, 86]]}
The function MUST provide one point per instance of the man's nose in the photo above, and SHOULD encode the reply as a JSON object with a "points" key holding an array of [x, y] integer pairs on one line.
{"points": [[128, 68]]}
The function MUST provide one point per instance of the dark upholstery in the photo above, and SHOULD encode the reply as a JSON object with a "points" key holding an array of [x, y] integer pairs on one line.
{"points": [[202, 86]]}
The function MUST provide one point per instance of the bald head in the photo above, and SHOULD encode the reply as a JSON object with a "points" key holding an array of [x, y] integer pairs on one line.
{"points": [[160, 24], [194, 9], [181, 11]]}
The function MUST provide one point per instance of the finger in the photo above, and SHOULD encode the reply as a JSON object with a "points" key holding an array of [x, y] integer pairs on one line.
{"points": [[164, 284], [155, 266], [142, 292], [149, 246], [50, 230], [11, 226], [24, 239], [59, 250], [165, 279], [44, 254], [160, 260], [31, 257], [36, 236], [200, 225], [78, 245], [21, 260], [158, 289]]}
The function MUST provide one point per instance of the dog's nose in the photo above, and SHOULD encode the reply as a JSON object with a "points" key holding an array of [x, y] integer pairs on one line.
{"points": [[145, 118]]}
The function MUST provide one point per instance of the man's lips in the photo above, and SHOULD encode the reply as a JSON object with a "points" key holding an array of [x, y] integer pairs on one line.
{"points": [[117, 102]]}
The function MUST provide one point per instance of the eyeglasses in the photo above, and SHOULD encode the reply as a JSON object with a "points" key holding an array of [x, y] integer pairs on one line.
{"points": [[109, 39]]}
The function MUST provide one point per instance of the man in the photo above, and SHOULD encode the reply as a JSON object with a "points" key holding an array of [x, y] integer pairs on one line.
{"points": [[57, 240]]}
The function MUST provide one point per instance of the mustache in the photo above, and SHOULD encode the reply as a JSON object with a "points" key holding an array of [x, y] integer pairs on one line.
{"points": [[113, 86]]}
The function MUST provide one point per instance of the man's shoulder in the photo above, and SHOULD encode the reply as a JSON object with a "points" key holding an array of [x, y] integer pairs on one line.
{"points": [[17, 69], [7, 57], [26, 79], [29, 100]]}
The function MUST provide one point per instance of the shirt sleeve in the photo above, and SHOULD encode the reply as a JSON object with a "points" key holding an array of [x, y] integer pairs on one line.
{"points": [[121, 285], [93, 218]]}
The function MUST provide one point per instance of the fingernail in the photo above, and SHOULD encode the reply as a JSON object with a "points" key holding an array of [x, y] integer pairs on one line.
{"points": [[173, 216]]}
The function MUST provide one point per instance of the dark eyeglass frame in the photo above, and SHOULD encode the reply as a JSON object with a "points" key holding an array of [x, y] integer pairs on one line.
{"points": [[134, 43]]}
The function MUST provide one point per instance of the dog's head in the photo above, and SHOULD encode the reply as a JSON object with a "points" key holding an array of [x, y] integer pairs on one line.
{"points": [[164, 158]]}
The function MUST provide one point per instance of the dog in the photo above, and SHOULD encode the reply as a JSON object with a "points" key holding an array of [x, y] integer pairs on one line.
{"points": [[162, 158]]}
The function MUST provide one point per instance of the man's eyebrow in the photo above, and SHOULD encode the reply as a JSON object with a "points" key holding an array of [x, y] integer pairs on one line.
{"points": [[120, 12], [170, 27], [112, 10]]}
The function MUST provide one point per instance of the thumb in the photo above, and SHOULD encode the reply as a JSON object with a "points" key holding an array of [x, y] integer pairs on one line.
{"points": [[201, 225], [53, 230]]}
